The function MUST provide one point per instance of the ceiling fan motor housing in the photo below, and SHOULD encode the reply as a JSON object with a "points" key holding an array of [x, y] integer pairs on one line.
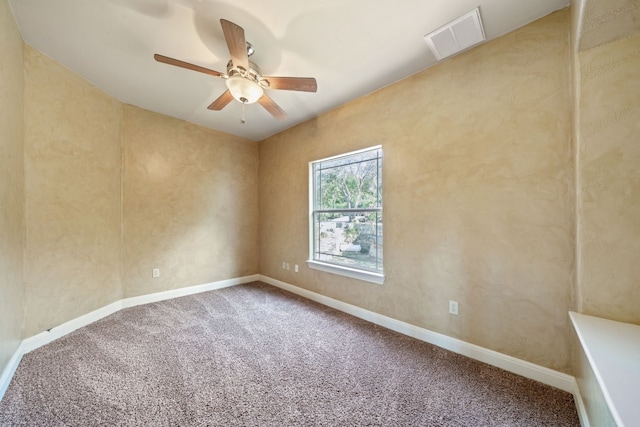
{"points": [[247, 86]]}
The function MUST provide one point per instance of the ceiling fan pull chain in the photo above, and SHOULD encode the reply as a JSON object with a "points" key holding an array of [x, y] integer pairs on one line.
{"points": [[242, 120]]}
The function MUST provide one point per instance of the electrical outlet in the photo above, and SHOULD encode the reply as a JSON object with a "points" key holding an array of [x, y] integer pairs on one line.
{"points": [[284, 265], [453, 307], [155, 273], [295, 268], [288, 266]]}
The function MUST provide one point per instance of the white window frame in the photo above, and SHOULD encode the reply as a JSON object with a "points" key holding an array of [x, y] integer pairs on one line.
{"points": [[354, 273]]}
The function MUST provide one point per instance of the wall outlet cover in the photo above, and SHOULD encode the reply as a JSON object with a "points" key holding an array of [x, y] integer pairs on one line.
{"points": [[453, 307]]}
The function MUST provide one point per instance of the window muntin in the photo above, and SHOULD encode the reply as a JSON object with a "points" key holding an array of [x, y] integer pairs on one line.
{"points": [[346, 205]]}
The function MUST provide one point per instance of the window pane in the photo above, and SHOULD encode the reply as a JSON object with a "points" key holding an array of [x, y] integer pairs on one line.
{"points": [[349, 183], [351, 239]]}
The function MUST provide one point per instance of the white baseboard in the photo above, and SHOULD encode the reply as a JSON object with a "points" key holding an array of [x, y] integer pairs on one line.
{"points": [[46, 337], [580, 406], [175, 293], [38, 340], [10, 369], [508, 363]]}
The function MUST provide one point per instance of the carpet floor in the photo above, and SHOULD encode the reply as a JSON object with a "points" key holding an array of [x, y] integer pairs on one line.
{"points": [[255, 355]]}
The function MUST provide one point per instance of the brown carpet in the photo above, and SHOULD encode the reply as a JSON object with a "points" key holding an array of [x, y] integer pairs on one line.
{"points": [[256, 355]]}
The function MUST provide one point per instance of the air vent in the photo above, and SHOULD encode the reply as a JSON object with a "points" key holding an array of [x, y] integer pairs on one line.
{"points": [[457, 35]]}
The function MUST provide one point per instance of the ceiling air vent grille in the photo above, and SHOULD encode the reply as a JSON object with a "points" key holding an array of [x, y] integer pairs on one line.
{"points": [[457, 35]]}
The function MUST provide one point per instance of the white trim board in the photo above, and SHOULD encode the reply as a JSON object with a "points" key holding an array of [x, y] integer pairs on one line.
{"points": [[10, 369], [580, 406], [36, 341], [46, 337], [508, 363]]}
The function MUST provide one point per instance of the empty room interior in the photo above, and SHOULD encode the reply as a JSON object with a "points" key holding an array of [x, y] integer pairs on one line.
{"points": [[509, 176]]}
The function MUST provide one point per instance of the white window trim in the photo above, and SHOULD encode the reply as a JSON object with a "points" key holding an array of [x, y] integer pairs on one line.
{"points": [[367, 276]]}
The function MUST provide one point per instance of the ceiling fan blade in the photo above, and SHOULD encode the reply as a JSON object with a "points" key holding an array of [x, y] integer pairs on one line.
{"points": [[304, 84], [221, 101], [272, 107], [234, 35], [187, 65]]}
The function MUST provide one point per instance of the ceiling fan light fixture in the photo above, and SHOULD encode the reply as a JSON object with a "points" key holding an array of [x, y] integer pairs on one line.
{"points": [[244, 90]]}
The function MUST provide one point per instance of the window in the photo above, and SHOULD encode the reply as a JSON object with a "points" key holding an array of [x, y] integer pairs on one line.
{"points": [[346, 215]]}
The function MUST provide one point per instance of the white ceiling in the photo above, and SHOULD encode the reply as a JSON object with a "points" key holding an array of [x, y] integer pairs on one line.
{"points": [[351, 47]]}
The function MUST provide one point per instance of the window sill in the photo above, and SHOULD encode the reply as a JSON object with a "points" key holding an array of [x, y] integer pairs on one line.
{"points": [[366, 276]]}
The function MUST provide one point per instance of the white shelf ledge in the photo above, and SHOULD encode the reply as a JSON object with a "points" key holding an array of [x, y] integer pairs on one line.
{"points": [[613, 350]]}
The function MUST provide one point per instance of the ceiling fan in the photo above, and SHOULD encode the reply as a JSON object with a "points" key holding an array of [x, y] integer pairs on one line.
{"points": [[244, 81]]}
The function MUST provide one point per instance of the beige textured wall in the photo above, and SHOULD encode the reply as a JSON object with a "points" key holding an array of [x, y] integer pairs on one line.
{"points": [[607, 20], [190, 204], [113, 191], [609, 161], [478, 195], [72, 195], [11, 184]]}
